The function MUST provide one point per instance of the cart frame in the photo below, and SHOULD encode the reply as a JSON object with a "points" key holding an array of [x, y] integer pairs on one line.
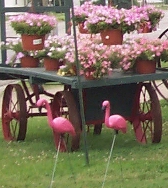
{"points": [[122, 89], [68, 103]]}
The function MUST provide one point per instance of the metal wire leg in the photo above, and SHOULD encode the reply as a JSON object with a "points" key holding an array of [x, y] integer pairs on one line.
{"points": [[108, 163], [56, 159]]}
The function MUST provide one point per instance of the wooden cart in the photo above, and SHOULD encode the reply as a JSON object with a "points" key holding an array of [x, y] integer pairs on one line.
{"points": [[131, 95]]}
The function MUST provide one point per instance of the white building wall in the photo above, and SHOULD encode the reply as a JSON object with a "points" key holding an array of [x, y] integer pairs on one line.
{"points": [[15, 3]]}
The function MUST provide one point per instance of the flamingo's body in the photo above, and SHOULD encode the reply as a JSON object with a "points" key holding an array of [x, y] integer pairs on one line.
{"points": [[116, 122], [59, 124]]}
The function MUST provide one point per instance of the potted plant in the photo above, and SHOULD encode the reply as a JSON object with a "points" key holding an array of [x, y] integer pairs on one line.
{"points": [[94, 61], [150, 18], [105, 20], [26, 58], [54, 51], [33, 26], [93, 57], [143, 51], [81, 14]]}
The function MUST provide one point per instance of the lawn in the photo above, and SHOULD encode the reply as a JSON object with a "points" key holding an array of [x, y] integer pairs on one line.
{"points": [[29, 164]]}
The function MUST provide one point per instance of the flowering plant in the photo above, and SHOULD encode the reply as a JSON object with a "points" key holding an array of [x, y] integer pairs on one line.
{"points": [[94, 61], [56, 47], [33, 24], [104, 18], [143, 49], [16, 46], [93, 57], [81, 12], [150, 16]]}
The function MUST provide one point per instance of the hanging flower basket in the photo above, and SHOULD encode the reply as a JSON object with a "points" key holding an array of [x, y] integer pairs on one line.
{"points": [[33, 42], [29, 62], [111, 37]]}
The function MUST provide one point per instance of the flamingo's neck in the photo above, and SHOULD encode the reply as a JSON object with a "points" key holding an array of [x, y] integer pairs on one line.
{"points": [[107, 115], [49, 114]]}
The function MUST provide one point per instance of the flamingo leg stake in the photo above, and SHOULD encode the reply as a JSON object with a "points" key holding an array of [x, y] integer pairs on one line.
{"points": [[108, 163], [55, 163], [115, 122]]}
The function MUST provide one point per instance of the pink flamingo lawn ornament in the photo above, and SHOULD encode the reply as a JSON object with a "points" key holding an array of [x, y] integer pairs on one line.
{"points": [[59, 125], [116, 122]]}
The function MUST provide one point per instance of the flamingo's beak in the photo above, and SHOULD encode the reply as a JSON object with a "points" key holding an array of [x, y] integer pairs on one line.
{"points": [[103, 108]]}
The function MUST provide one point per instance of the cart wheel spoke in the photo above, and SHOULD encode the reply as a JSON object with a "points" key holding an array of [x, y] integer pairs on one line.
{"points": [[64, 105], [147, 130], [147, 121], [162, 85], [14, 114]]}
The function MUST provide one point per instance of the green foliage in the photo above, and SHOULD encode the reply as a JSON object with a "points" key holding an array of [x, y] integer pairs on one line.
{"points": [[52, 54], [164, 56], [33, 24], [79, 19], [23, 28], [155, 18]]}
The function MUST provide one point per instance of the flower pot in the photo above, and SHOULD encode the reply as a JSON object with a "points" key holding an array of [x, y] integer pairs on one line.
{"points": [[112, 37], [29, 62], [33, 42], [145, 29], [145, 66], [51, 64], [81, 28], [89, 74], [89, 77]]}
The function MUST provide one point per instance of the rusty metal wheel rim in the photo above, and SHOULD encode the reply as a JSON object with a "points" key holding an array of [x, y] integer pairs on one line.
{"points": [[147, 115], [14, 118], [157, 87], [164, 83]]}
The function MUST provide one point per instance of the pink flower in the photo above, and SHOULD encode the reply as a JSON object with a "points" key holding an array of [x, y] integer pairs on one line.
{"points": [[20, 55], [143, 49], [29, 23]]}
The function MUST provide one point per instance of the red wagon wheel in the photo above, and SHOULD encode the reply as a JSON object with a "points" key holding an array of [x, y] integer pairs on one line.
{"points": [[147, 119], [65, 105], [14, 116], [163, 84]]}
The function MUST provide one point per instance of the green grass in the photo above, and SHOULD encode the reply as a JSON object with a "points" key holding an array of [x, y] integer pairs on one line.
{"points": [[161, 5], [29, 164], [59, 16]]}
